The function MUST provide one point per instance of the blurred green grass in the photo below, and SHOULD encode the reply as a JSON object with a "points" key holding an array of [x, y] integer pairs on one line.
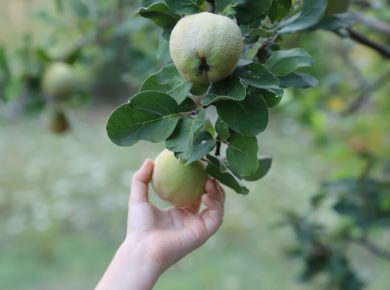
{"points": [[63, 206]]}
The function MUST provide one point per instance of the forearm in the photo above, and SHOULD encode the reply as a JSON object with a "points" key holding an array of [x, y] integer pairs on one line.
{"points": [[130, 269]]}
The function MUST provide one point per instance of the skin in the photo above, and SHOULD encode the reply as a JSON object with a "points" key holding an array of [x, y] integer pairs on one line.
{"points": [[179, 184], [205, 47], [156, 239]]}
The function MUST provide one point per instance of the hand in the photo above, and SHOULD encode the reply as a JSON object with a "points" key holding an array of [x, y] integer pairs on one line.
{"points": [[156, 238], [170, 234]]}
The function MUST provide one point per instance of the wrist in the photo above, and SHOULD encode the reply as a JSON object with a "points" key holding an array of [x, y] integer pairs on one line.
{"points": [[131, 268]]}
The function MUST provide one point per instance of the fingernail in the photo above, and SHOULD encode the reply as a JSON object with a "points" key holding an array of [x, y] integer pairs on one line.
{"points": [[219, 187]]}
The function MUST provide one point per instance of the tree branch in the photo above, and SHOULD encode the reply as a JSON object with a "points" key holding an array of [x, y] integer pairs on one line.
{"points": [[371, 22], [364, 242], [384, 51], [366, 95]]}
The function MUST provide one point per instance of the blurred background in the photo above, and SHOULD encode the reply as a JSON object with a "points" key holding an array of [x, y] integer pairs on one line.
{"points": [[63, 197]]}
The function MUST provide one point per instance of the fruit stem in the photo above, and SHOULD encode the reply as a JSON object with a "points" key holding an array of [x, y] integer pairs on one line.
{"points": [[212, 2], [218, 147]]}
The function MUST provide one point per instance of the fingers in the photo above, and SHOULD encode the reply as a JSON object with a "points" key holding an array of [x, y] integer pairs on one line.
{"points": [[140, 181], [193, 208], [214, 201]]}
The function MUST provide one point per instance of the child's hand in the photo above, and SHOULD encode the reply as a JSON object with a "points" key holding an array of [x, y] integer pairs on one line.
{"points": [[170, 234], [156, 238]]}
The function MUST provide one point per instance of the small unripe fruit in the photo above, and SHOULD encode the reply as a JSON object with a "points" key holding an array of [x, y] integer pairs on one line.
{"points": [[337, 6], [205, 47], [55, 120], [58, 80], [177, 183]]}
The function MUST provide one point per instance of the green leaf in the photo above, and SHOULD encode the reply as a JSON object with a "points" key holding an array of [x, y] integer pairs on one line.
{"points": [[160, 14], [249, 11], [248, 117], [261, 32], [242, 154], [311, 13], [42, 55], [146, 3], [169, 81], [80, 8], [229, 88], [335, 22], [187, 105], [4, 67], [59, 6], [184, 7], [199, 89], [222, 129], [224, 175], [298, 80], [257, 75], [72, 56], [203, 144], [188, 140], [264, 166], [271, 96], [283, 62], [225, 7], [182, 138], [150, 116], [279, 9]]}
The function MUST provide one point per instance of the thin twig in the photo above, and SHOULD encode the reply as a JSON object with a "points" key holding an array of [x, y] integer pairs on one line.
{"points": [[383, 50], [366, 95], [371, 22], [364, 242]]}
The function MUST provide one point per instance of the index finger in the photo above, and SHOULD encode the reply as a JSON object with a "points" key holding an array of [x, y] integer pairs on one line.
{"points": [[140, 182]]}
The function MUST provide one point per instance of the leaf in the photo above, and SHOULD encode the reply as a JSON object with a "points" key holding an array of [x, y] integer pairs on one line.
{"points": [[264, 166], [311, 13], [187, 105], [169, 81], [184, 7], [182, 138], [249, 11], [242, 154], [80, 8], [72, 56], [199, 89], [42, 55], [271, 96], [335, 22], [188, 141], [283, 62], [59, 6], [150, 116], [257, 75], [279, 9], [146, 3], [222, 129], [203, 144], [224, 175], [225, 7], [298, 80], [248, 117], [160, 14], [229, 88], [4, 67]]}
